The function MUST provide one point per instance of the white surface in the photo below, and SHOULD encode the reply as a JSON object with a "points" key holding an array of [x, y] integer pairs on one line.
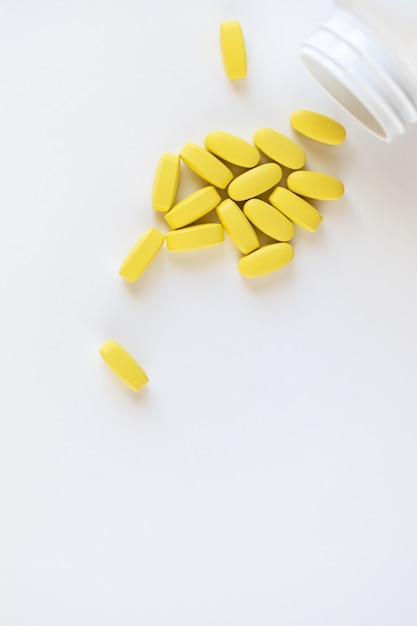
{"points": [[268, 472]]}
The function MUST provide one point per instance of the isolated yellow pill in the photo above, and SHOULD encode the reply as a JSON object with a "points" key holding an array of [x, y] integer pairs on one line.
{"points": [[123, 365], [237, 226], [315, 185], [195, 237], [295, 208], [166, 182], [255, 181], [266, 260], [232, 149], [318, 127], [142, 253], [233, 49], [280, 148], [268, 219], [206, 165], [193, 207]]}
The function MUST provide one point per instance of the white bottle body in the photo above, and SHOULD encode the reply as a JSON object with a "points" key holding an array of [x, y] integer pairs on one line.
{"points": [[366, 57]]}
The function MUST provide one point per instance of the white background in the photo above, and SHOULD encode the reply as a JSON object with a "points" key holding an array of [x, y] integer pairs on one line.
{"points": [[268, 472]]}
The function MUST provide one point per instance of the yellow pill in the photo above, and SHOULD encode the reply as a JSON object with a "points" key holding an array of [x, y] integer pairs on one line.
{"points": [[195, 237], [318, 127], [142, 253], [255, 181], [266, 260], [233, 49], [279, 148], [232, 149], [295, 208], [206, 165], [193, 207], [268, 219], [123, 365], [166, 182], [237, 226], [315, 185]]}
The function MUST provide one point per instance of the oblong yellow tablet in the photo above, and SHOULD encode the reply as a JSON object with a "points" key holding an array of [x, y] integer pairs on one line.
{"points": [[268, 219], [280, 148], [266, 260], [193, 207], [232, 149], [255, 181], [295, 208], [315, 185], [233, 50], [165, 182], [142, 253], [195, 237], [123, 365], [206, 165], [318, 127], [237, 226]]}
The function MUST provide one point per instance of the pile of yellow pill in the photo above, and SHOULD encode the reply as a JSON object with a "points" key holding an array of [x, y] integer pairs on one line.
{"points": [[251, 205], [253, 202], [256, 199]]}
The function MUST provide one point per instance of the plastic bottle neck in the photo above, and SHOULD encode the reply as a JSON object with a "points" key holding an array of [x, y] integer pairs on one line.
{"points": [[362, 75]]}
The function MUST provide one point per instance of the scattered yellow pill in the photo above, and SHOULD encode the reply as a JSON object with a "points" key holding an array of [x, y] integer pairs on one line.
{"points": [[123, 365], [268, 219], [295, 208], [318, 127], [206, 165], [232, 149], [315, 185], [255, 181], [280, 148], [195, 237], [165, 182], [266, 260], [193, 207], [141, 255], [237, 226], [233, 49]]}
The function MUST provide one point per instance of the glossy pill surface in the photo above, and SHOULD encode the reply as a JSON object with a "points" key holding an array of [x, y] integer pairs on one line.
{"points": [[232, 45], [237, 226], [206, 165], [315, 185], [195, 237], [232, 149], [269, 219], [318, 127], [266, 260], [123, 365], [280, 148], [141, 255], [193, 207], [255, 181], [296, 209], [166, 182]]}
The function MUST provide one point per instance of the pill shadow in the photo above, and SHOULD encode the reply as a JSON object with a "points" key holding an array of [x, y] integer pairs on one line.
{"points": [[322, 157], [281, 280], [188, 182], [240, 86], [191, 262], [141, 398]]}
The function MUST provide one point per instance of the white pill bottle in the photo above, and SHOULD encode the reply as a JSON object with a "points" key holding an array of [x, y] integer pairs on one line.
{"points": [[366, 57]]}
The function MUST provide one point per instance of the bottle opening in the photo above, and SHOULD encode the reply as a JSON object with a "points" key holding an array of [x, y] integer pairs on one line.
{"points": [[337, 86]]}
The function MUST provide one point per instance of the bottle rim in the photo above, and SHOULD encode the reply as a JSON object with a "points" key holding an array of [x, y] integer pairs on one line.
{"points": [[358, 74]]}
